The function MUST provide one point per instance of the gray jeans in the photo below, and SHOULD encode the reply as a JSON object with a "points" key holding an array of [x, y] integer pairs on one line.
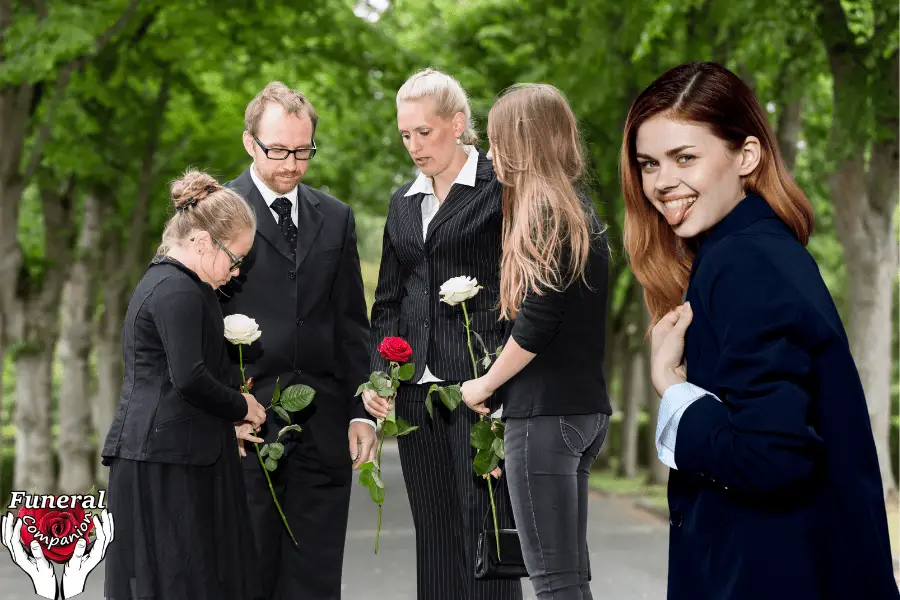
{"points": [[548, 463]]}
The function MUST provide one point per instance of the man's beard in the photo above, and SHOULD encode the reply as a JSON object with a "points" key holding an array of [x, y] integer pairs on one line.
{"points": [[277, 184]]}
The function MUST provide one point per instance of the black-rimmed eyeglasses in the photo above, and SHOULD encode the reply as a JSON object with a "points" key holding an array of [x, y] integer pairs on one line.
{"points": [[235, 261], [282, 154]]}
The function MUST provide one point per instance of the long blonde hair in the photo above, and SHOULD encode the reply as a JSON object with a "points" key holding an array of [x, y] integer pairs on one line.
{"points": [[538, 157], [707, 94]]}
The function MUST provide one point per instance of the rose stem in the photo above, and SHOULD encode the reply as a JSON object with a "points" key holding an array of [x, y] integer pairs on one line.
{"points": [[481, 418]]}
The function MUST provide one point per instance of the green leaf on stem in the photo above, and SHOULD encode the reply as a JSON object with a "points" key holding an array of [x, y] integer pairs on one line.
{"points": [[366, 478], [451, 396], [481, 436], [485, 462], [367, 466], [282, 413], [498, 427], [276, 450], [284, 430], [376, 479], [404, 428], [271, 465], [276, 395], [486, 362], [297, 397], [499, 350], [386, 391], [376, 377], [264, 451], [480, 341], [406, 372], [377, 494], [360, 389], [389, 428], [497, 448], [428, 406]]}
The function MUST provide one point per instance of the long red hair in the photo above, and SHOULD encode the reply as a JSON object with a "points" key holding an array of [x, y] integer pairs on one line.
{"points": [[708, 94]]}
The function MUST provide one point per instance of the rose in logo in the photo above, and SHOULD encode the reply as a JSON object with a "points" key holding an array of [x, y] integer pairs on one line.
{"points": [[56, 530]]}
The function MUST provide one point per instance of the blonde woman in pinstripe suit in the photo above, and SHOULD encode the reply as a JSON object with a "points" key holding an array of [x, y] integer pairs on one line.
{"points": [[444, 224]]}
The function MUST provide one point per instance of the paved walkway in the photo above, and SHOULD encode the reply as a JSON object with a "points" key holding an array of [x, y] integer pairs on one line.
{"points": [[628, 550]]}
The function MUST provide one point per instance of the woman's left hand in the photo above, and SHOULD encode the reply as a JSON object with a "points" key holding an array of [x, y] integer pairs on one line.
{"points": [[475, 394], [667, 348], [244, 431]]}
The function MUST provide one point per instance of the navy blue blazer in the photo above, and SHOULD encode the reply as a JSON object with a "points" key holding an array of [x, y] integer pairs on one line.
{"points": [[778, 494]]}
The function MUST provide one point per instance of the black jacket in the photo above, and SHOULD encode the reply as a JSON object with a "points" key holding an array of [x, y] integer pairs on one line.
{"points": [[778, 494], [311, 312], [567, 332], [464, 238], [174, 406]]}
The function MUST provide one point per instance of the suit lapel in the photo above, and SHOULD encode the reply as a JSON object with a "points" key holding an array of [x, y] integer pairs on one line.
{"points": [[414, 218], [459, 196], [309, 222], [266, 225]]}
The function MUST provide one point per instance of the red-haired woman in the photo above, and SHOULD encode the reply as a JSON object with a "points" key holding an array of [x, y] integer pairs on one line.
{"points": [[775, 491]]}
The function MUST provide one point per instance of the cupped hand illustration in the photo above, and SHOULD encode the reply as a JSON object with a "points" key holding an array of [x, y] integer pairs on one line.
{"points": [[81, 564], [36, 565]]}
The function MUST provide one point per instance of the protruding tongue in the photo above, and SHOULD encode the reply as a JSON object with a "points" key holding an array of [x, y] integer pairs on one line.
{"points": [[675, 213]]}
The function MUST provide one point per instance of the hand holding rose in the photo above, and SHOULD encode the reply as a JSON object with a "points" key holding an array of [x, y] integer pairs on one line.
{"points": [[256, 414]]}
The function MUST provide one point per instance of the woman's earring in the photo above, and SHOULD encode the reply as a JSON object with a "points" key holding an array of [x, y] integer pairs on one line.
{"points": [[458, 142]]}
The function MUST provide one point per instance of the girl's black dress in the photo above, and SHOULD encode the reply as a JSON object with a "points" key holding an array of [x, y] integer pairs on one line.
{"points": [[176, 490]]}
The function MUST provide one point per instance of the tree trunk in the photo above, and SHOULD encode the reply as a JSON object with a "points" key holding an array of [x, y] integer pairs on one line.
{"points": [[35, 313], [657, 472], [632, 389], [615, 372], [34, 453], [790, 122], [109, 378], [864, 203], [108, 342], [631, 366], [75, 447]]}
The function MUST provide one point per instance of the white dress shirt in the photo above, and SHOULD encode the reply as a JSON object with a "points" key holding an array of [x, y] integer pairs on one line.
{"points": [[431, 204], [270, 196], [675, 400]]}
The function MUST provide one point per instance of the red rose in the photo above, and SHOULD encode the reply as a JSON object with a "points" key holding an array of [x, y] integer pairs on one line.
{"points": [[395, 349], [57, 530]]}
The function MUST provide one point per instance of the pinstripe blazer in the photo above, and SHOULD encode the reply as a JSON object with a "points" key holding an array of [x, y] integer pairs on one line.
{"points": [[464, 238]]}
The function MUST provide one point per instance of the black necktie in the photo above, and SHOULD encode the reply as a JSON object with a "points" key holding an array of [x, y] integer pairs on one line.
{"points": [[282, 206]]}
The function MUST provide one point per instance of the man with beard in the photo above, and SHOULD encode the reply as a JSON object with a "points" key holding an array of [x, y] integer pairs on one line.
{"points": [[302, 283]]}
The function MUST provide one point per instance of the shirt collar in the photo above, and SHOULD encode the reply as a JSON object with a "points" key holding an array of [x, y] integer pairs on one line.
{"points": [[466, 176], [268, 195]]}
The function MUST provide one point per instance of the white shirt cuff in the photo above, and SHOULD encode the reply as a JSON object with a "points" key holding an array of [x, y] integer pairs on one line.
{"points": [[675, 401], [369, 421]]}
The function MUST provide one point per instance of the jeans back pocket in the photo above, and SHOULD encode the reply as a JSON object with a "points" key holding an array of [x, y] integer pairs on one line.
{"points": [[579, 432]]}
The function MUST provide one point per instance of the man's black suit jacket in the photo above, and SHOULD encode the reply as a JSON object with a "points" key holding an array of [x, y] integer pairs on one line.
{"points": [[311, 311]]}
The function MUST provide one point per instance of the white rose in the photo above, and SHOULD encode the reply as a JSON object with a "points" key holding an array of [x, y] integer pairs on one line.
{"points": [[459, 289], [241, 329]]}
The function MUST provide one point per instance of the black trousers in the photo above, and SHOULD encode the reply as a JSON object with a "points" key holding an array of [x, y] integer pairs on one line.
{"points": [[549, 462], [448, 501], [315, 499]]}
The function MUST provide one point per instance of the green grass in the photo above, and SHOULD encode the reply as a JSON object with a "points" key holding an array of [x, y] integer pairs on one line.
{"points": [[635, 487]]}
